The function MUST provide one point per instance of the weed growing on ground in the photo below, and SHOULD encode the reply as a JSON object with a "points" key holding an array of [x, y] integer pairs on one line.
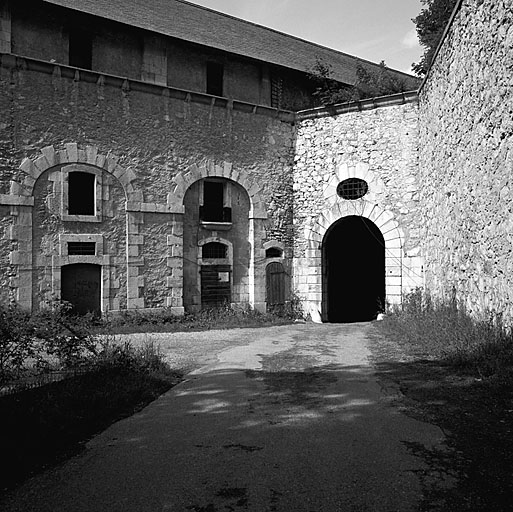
{"points": [[443, 329]]}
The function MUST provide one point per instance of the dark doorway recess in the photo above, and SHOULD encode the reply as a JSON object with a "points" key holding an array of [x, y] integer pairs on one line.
{"points": [[353, 271], [80, 285]]}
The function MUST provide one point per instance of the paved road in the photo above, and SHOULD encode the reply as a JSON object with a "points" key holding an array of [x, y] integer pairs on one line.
{"points": [[293, 420]]}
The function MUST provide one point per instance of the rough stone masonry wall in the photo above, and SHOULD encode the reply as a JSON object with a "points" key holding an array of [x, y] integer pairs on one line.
{"points": [[158, 140], [380, 146], [466, 160]]}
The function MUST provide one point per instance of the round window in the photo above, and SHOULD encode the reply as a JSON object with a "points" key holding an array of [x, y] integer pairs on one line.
{"points": [[352, 188]]}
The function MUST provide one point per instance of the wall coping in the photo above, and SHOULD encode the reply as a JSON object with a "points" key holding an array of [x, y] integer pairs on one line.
{"points": [[401, 98], [11, 61]]}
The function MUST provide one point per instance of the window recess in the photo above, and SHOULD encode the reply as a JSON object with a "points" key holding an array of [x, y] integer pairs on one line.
{"points": [[81, 193], [215, 74], [80, 48], [214, 250], [215, 207]]}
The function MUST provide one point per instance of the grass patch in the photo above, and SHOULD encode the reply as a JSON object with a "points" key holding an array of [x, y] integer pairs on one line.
{"points": [[443, 330], [43, 426]]}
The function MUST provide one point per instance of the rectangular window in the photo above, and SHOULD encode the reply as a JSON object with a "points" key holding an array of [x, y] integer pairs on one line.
{"points": [[81, 249], [80, 48], [215, 73], [81, 193], [213, 209]]}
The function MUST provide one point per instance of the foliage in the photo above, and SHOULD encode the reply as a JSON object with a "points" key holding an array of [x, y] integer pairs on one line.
{"points": [[443, 329], [49, 338], [431, 23], [370, 83], [16, 341]]}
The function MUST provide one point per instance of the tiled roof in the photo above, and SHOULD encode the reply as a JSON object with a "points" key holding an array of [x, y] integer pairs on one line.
{"points": [[186, 21]]}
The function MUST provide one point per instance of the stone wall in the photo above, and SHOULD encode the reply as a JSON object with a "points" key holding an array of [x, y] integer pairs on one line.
{"points": [[149, 144], [378, 145], [466, 162]]}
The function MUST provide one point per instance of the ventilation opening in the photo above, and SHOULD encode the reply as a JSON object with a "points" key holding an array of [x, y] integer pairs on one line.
{"points": [[213, 209], [81, 248], [352, 188], [80, 48], [214, 250], [215, 73], [353, 271], [81, 193], [273, 252]]}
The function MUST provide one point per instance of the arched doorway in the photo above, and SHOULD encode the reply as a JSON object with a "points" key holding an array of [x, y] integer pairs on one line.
{"points": [[81, 286], [353, 270]]}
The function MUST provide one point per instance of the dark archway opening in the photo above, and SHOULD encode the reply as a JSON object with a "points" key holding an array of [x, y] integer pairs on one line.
{"points": [[81, 286], [353, 271]]}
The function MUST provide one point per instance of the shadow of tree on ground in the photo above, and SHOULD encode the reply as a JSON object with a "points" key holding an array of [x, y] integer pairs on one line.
{"points": [[477, 419]]}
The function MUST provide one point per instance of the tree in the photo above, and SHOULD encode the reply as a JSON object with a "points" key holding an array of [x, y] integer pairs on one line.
{"points": [[370, 83], [431, 23]]}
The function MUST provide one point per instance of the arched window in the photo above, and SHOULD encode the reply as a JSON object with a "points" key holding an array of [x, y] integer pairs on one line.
{"points": [[274, 252], [214, 250], [81, 193]]}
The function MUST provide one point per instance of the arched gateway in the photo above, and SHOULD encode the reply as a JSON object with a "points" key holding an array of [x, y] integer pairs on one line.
{"points": [[353, 261], [351, 246]]}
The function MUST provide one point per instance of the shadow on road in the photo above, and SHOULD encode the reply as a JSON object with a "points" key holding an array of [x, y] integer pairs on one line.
{"points": [[310, 440], [478, 423]]}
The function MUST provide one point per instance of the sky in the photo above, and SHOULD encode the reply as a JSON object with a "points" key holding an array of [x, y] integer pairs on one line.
{"points": [[375, 30]]}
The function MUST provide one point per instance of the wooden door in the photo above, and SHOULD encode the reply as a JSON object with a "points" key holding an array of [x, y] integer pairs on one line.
{"points": [[275, 285]]}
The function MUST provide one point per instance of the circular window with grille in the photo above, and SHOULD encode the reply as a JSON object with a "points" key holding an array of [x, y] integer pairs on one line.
{"points": [[352, 188]]}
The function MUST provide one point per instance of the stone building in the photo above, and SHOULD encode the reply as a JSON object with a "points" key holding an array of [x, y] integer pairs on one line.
{"points": [[148, 161]]}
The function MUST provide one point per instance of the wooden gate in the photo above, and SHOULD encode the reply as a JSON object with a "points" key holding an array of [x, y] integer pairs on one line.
{"points": [[81, 286], [215, 285], [275, 286]]}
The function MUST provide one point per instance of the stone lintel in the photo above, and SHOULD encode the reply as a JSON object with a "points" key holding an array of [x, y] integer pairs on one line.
{"points": [[16, 200]]}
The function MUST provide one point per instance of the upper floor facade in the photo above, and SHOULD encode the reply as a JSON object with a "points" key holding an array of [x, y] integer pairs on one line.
{"points": [[174, 44]]}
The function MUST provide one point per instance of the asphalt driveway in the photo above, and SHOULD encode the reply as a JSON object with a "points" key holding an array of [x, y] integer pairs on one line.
{"points": [[285, 419]]}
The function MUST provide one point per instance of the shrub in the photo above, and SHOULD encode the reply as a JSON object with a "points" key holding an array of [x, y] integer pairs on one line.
{"points": [[48, 339], [16, 341]]}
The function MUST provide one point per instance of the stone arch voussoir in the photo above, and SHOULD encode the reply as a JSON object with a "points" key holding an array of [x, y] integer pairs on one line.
{"points": [[316, 230], [207, 169], [49, 157]]}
